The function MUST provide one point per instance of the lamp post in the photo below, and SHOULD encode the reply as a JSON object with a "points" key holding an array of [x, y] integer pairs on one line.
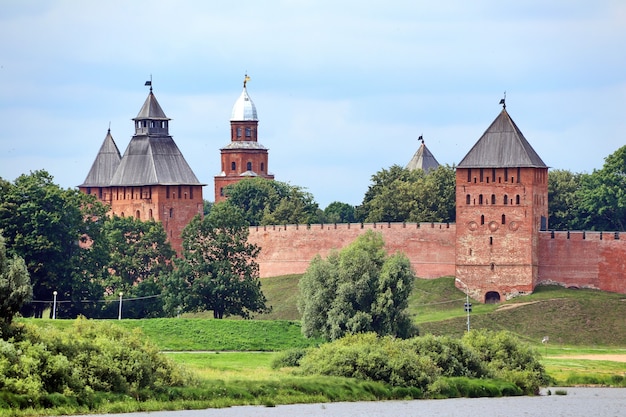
{"points": [[119, 314], [468, 305], [54, 306]]}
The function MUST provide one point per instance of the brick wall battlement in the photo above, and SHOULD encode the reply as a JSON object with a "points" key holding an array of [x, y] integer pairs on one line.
{"points": [[288, 249], [581, 259]]}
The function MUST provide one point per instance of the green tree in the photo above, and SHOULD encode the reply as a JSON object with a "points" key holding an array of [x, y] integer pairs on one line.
{"points": [[337, 212], [218, 270], [603, 194], [57, 233], [563, 198], [140, 254], [15, 288], [266, 202], [400, 194], [358, 289], [380, 180]]}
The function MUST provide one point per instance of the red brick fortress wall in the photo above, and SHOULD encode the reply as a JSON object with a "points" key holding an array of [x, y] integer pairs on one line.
{"points": [[289, 249], [583, 260]]}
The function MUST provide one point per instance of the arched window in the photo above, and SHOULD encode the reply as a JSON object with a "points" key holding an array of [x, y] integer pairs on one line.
{"points": [[262, 167], [467, 199], [482, 219], [503, 219], [493, 199], [138, 214], [150, 214], [238, 132], [517, 199], [480, 199], [171, 213], [248, 132], [233, 166], [249, 166], [505, 199]]}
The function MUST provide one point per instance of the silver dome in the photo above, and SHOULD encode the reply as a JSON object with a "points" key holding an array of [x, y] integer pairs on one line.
{"points": [[244, 108]]}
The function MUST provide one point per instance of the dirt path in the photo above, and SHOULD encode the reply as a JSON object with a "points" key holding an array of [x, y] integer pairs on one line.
{"points": [[598, 357]]}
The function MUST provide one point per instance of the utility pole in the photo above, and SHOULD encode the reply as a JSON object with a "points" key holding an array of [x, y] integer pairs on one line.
{"points": [[468, 305]]}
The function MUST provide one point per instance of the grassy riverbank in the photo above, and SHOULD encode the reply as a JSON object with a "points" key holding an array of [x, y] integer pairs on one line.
{"points": [[231, 359]]}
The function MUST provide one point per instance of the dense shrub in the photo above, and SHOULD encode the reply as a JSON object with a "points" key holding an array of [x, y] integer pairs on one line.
{"points": [[87, 358], [507, 358], [481, 364], [452, 356], [288, 358], [367, 356]]}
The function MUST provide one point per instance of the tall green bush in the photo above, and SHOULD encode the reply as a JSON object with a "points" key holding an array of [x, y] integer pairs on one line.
{"points": [[506, 357], [433, 364], [89, 357], [358, 289], [367, 356]]}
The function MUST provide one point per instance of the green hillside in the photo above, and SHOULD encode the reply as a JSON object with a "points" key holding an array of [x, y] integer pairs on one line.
{"points": [[567, 316]]}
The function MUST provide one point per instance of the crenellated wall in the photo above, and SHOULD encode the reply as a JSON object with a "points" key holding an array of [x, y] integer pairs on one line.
{"points": [[289, 249], [573, 259], [583, 260]]}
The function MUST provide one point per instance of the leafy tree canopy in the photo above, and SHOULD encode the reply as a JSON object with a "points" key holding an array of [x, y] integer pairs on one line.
{"points": [[563, 208], [218, 270], [265, 202], [51, 229], [140, 254], [337, 212], [602, 195], [15, 288], [399, 194], [359, 289]]}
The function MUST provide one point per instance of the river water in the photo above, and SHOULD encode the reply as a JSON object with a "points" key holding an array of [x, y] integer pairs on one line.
{"points": [[579, 402]]}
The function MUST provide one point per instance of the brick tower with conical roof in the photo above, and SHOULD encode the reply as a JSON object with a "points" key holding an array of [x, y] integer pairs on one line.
{"points": [[244, 156], [152, 180], [501, 205]]}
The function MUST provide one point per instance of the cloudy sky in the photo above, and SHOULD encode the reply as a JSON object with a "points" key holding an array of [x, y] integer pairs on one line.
{"points": [[343, 89]]}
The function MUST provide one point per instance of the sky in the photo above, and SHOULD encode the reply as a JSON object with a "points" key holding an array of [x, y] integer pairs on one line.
{"points": [[343, 89]]}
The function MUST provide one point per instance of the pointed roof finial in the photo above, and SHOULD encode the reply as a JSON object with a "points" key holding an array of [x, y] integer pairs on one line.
{"points": [[421, 138], [246, 79], [503, 101], [149, 82]]}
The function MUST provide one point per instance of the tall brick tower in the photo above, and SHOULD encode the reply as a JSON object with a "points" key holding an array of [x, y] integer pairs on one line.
{"points": [[244, 156], [152, 180], [501, 205]]}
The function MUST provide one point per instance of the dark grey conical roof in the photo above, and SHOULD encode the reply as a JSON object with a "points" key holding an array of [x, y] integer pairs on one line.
{"points": [[105, 165], [423, 159], [151, 109], [151, 160], [151, 157], [502, 146]]}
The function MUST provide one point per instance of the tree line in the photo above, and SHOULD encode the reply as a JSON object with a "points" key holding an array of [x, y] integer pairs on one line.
{"points": [[60, 252]]}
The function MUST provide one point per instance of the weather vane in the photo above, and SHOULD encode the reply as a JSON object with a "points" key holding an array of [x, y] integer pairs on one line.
{"points": [[503, 101], [421, 138], [246, 79], [149, 83]]}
